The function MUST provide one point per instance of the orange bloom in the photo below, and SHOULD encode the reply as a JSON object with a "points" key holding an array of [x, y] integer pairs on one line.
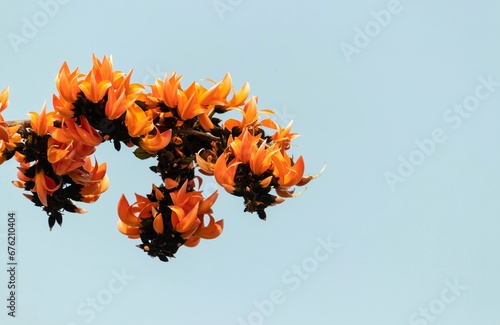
{"points": [[41, 123], [158, 223], [117, 103], [250, 117], [20, 172], [188, 107], [62, 107], [239, 97], [283, 136], [44, 186], [137, 122], [104, 69], [188, 213], [84, 132], [4, 132], [8, 135], [153, 143], [94, 89], [192, 241], [185, 199], [12, 139], [243, 146], [130, 232], [64, 152], [130, 216], [210, 231], [261, 159], [67, 83], [252, 150], [207, 167], [4, 99], [64, 158], [224, 174], [167, 90], [287, 174], [184, 222], [125, 213], [93, 178]]}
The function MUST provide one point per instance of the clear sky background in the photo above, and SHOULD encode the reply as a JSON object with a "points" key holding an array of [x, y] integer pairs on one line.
{"points": [[400, 99]]}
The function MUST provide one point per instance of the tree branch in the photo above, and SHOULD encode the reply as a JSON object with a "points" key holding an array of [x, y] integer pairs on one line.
{"points": [[23, 123], [26, 123], [197, 133]]}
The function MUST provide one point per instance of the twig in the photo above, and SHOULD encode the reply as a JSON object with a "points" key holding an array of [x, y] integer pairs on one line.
{"points": [[23, 123], [197, 133], [26, 123]]}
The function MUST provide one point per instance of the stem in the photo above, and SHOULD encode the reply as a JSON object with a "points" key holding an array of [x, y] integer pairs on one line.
{"points": [[197, 133], [23, 123]]}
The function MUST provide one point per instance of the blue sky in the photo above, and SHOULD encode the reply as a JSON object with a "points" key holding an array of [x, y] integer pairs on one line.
{"points": [[398, 98]]}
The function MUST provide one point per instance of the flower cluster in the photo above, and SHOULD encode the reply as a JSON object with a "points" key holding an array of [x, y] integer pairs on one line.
{"points": [[177, 127], [55, 164]]}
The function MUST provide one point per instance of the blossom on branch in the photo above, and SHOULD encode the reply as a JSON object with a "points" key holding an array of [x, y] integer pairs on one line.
{"points": [[181, 129]]}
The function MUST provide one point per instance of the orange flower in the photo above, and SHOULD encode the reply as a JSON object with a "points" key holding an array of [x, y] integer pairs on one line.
{"points": [[9, 138], [137, 122], [188, 213], [64, 158], [130, 216], [250, 117], [243, 146], [210, 231], [104, 69], [224, 174], [217, 95], [252, 150], [41, 123], [93, 178], [94, 89], [4, 133], [288, 175], [8, 134], [67, 83], [153, 143], [261, 159], [206, 166], [84, 132], [125, 213], [158, 222], [129, 231], [239, 97], [192, 241], [62, 107], [167, 89], [185, 199], [184, 222], [188, 107], [283, 136], [4, 99], [44, 186], [20, 172], [117, 103], [66, 153]]}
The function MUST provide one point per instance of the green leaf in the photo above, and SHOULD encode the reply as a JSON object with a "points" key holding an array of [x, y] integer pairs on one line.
{"points": [[142, 154]]}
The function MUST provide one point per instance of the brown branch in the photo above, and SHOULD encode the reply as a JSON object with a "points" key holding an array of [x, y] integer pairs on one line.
{"points": [[23, 123], [197, 133]]}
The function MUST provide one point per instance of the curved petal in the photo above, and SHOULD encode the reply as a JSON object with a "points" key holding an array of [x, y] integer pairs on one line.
{"points": [[124, 213]]}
